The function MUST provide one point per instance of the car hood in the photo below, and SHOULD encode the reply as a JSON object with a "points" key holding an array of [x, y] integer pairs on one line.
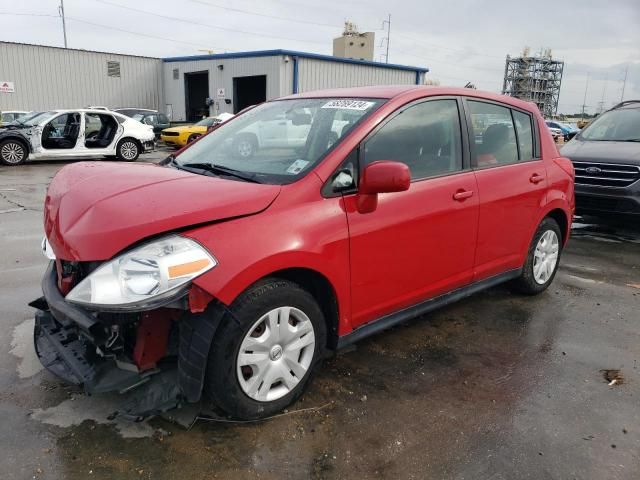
{"points": [[93, 210], [605, 152], [184, 128]]}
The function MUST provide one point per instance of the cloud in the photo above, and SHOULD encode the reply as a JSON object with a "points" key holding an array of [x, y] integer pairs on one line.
{"points": [[460, 40]]}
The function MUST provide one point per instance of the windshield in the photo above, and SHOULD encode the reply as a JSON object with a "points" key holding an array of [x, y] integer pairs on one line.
{"points": [[278, 142], [615, 125], [207, 122], [35, 118]]}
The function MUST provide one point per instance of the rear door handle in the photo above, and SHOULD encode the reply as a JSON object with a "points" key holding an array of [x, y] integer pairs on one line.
{"points": [[461, 195], [535, 178]]}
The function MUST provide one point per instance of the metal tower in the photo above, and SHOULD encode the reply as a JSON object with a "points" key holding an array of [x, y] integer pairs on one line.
{"points": [[535, 79]]}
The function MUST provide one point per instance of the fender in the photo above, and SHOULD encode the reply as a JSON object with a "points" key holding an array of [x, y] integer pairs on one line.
{"points": [[17, 136], [314, 262], [558, 203]]}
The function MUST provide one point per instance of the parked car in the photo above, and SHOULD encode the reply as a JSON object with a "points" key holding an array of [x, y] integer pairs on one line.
{"points": [[131, 111], [565, 129], [74, 133], [234, 276], [606, 157], [10, 116], [180, 136], [159, 121]]}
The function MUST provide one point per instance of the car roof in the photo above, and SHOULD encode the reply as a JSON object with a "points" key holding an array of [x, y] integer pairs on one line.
{"points": [[627, 104], [392, 91], [415, 91], [135, 108]]}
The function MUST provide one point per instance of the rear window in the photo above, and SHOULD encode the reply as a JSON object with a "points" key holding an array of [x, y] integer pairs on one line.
{"points": [[622, 125]]}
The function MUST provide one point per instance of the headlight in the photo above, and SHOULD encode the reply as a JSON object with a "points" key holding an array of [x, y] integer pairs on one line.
{"points": [[47, 251], [145, 276]]}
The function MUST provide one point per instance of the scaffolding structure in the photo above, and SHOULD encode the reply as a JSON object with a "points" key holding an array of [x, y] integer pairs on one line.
{"points": [[535, 79]]}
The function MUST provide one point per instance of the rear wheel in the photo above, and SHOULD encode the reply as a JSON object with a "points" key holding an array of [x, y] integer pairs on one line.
{"points": [[542, 259], [13, 152], [266, 350], [128, 150]]}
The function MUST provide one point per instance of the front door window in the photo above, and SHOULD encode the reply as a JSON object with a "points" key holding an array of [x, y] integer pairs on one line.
{"points": [[62, 132]]}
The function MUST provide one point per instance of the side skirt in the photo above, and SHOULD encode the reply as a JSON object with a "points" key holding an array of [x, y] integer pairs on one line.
{"points": [[401, 316]]}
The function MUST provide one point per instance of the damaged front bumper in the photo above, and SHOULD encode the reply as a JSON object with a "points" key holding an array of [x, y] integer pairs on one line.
{"points": [[74, 344]]}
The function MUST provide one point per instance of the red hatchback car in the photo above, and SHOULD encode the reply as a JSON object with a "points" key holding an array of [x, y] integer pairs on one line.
{"points": [[300, 226]]}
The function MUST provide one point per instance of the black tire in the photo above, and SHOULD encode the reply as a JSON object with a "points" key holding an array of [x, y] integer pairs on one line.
{"points": [[245, 146], [13, 152], [128, 149], [193, 137], [526, 282], [222, 385]]}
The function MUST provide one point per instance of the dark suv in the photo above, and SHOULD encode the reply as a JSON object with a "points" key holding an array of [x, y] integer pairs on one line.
{"points": [[606, 157]]}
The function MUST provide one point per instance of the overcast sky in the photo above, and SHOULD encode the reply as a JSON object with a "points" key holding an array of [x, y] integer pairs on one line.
{"points": [[459, 40]]}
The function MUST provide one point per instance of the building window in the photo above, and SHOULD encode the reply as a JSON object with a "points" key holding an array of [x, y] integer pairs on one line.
{"points": [[351, 44], [362, 44], [113, 69], [176, 74]]}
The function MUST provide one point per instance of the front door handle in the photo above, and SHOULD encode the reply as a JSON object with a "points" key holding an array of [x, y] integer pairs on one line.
{"points": [[536, 178], [462, 195]]}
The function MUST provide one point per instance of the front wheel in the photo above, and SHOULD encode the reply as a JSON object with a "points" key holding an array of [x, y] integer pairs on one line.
{"points": [[13, 152], [543, 259], [193, 136], [265, 350], [128, 150]]}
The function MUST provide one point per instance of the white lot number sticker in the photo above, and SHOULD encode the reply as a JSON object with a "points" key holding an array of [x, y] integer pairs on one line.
{"points": [[348, 104], [297, 166]]}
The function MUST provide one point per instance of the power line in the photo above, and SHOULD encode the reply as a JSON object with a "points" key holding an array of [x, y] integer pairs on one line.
{"points": [[93, 24], [78, 20], [401, 35], [264, 15], [210, 26]]}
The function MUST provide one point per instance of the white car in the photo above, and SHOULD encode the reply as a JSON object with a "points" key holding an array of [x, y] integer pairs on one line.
{"points": [[73, 134], [10, 116], [285, 131]]}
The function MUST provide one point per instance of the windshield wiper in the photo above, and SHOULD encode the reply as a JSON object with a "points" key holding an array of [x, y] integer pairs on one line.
{"points": [[222, 170]]}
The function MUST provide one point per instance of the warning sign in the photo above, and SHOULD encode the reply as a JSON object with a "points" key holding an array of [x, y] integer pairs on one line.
{"points": [[7, 87], [220, 93]]}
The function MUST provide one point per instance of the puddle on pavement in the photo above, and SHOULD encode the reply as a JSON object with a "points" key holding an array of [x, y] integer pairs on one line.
{"points": [[22, 348]]}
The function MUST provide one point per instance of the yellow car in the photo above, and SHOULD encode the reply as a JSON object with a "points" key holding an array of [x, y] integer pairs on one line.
{"points": [[180, 136]]}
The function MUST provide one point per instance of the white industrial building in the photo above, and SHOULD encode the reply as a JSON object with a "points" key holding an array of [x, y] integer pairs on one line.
{"points": [[185, 88], [44, 78]]}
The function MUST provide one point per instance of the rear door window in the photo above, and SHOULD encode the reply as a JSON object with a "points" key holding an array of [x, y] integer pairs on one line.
{"points": [[494, 134]]}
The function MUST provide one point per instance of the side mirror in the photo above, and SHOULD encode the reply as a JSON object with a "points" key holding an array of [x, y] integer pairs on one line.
{"points": [[383, 176]]}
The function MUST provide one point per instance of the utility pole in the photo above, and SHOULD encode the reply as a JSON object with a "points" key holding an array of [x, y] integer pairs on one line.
{"points": [[604, 90], [584, 101], [388, 22], [624, 83], [64, 25]]}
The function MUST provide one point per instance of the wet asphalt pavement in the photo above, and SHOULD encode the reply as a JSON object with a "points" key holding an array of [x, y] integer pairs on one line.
{"points": [[497, 386]]}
